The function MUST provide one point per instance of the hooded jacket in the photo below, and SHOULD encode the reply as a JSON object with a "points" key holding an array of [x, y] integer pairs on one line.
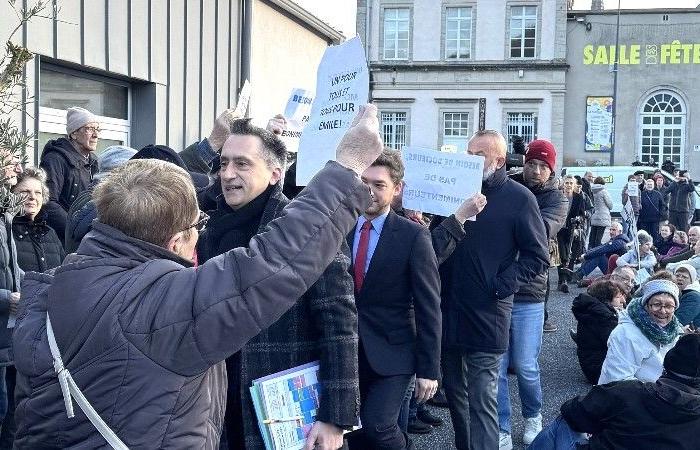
{"points": [[631, 355], [596, 320], [553, 207], [68, 174], [504, 249], [602, 204], [633, 415], [689, 310], [145, 334]]}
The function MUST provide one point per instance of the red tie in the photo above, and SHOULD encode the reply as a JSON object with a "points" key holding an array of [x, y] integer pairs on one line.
{"points": [[361, 256]]}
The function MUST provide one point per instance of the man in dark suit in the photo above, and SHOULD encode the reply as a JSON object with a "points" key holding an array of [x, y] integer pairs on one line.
{"points": [[397, 292]]}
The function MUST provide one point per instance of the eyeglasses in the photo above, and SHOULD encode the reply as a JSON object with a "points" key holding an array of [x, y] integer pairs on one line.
{"points": [[201, 222], [92, 130], [660, 306]]}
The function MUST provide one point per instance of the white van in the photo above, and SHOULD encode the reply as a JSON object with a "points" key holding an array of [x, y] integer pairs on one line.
{"points": [[616, 178]]}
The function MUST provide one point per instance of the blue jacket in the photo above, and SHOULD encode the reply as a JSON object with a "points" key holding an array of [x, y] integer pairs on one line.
{"points": [[617, 246], [504, 248], [145, 336], [689, 310], [653, 206]]}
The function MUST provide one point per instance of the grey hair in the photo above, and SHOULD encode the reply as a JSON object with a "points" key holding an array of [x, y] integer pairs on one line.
{"points": [[495, 136], [35, 173]]}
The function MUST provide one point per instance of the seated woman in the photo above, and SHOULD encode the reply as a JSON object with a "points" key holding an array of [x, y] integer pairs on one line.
{"points": [[596, 312], [642, 260], [647, 330], [688, 312], [38, 246], [665, 238], [680, 245]]}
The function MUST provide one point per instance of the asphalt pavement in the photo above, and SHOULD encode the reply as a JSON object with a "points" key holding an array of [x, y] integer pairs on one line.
{"points": [[561, 377]]}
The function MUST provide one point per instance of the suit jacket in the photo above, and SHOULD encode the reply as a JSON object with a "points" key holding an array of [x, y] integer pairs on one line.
{"points": [[398, 307]]}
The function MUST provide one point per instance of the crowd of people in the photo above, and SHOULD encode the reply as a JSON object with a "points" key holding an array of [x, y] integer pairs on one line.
{"points": [[151, 287]]}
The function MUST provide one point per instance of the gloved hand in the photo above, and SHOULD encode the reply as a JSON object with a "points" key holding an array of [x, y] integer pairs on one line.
{"points": [[222, 129], [361, 144]]}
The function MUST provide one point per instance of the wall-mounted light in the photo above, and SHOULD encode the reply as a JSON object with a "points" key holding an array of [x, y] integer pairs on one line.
{"points": [[585, 23]]}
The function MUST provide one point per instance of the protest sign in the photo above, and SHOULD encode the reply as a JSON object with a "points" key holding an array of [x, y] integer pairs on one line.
{"points": [[630, 223], [342, 85], [243, 99], [633, 189], [297, 114], [438, 182]]}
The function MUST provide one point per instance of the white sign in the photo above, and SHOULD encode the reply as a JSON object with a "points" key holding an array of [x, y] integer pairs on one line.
{"points": [[438, 182], [297, 114], [243, 99], [633, 189], [342, 85]]}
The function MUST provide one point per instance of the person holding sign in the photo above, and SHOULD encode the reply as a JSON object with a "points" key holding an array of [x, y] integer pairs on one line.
{"points": [[144, 333], [397, 291], [504, 249]]}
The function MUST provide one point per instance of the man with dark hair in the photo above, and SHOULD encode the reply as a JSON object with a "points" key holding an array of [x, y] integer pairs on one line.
{"points": [[479, 280], [143, 331], [322, 326], [397, 291], [680, 193]]}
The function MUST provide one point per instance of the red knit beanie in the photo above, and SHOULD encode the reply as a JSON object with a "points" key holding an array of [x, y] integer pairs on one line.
{"points": [[542, 150]]}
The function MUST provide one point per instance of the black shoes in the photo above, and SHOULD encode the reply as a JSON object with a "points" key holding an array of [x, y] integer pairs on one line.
{"points": [[573, 334], [549, 327], [426, 417], [563, 287], [416, 426]]}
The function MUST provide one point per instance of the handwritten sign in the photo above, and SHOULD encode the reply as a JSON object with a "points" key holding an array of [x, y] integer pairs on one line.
{"points": [[297, 114], [438, 182], [244, 99], [342, 86], [633, 189]]}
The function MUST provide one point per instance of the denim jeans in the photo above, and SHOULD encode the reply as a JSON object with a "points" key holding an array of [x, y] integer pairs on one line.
{"points": [[589, 265], [471, 384], [523, 351], [558, 436]]}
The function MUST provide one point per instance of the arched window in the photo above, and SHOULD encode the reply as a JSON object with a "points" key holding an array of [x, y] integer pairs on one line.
{"points": [[662, 129]]}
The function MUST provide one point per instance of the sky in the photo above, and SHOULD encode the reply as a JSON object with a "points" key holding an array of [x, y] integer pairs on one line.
{"points": [[340, 14]]}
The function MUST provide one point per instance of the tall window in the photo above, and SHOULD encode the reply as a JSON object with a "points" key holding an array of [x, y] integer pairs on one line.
{"points": [[396, 39], [523, 124], [394, 129], [455, 129], [663, 129], [523, 31], [458, 33]]}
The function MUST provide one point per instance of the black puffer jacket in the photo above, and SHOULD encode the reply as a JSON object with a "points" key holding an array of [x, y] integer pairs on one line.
{"points": [[38, 247], [68, 174], [553, 207], [596, 321], [145, 336]]}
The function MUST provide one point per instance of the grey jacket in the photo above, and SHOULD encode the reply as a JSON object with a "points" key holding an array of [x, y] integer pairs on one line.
{"points": [[602, 204], [10, 278], [145, 336]]}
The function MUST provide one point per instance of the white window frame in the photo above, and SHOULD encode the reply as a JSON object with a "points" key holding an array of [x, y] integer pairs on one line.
{"points": [[662, 128], [391, 140], [395, 38], [520, 126], [460, 32], [523, 17], [467, 130]]}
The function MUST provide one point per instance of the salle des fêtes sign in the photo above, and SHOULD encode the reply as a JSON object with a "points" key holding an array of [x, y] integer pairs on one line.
{"points": [[673, 53]]}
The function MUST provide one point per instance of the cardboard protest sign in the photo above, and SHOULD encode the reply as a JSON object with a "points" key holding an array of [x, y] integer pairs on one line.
{"points": [[438, 182], [342, 85], [244, 99], [297, 113]]}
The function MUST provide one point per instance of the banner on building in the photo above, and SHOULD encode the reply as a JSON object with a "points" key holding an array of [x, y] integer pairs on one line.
{"points": [[342, 85], [599, 124], [438, 182], [297, 114]]}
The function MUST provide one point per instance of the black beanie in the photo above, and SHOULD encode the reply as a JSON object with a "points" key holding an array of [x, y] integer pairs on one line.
{"points": [[684, 357]]}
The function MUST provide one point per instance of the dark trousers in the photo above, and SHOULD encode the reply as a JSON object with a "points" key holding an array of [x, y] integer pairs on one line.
{"points": [[650, 227], [471, 388], [381, 399], [679, 220], [596, 236], [7, 422]]}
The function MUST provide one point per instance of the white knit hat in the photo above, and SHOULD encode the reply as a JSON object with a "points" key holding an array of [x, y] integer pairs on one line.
{"points": [[77, 117], [688, 268], [654, 287]]}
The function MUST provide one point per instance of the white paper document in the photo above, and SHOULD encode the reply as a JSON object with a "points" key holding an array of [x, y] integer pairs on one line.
{"points": [[297, 113]]}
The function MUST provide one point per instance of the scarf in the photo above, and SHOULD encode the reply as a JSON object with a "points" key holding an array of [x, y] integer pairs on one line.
{"points": [[656, 334]]}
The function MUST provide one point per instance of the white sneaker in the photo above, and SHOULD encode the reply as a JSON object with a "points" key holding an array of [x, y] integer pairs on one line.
{"points": [[533, 427], [504, 441]]}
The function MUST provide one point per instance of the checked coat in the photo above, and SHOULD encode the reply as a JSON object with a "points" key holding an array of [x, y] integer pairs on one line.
{"points": [[321, 326]]}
